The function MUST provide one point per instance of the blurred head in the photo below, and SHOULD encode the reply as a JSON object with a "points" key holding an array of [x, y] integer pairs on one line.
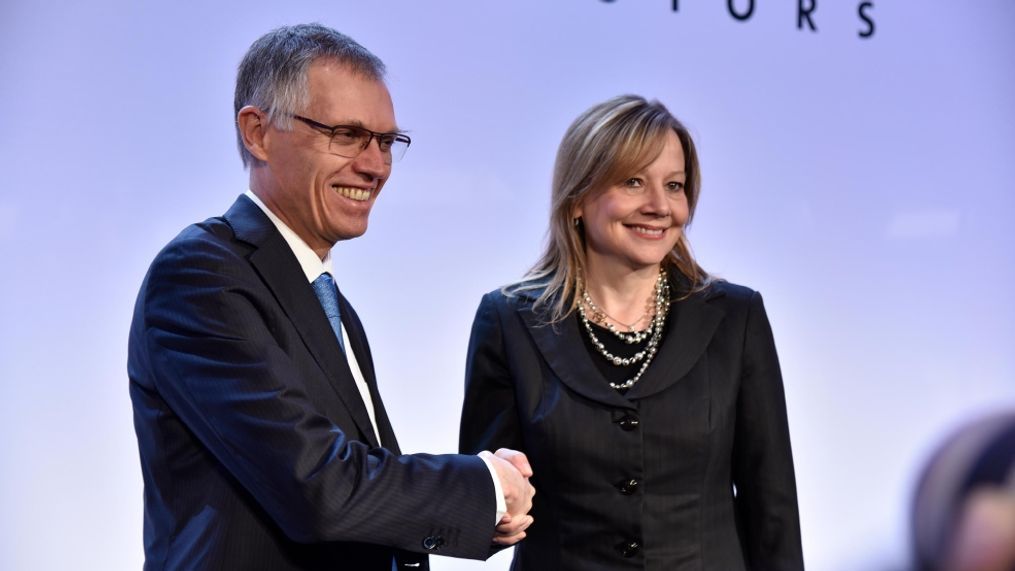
{"points": [[626, 168], [294, 86], [963, 516]]}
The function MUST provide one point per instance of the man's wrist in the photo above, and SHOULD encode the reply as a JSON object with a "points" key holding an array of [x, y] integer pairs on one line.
{"points": [[497, 489]]}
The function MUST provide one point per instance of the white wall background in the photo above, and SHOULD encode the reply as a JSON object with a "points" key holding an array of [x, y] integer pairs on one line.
{"points": [[864, 186]]}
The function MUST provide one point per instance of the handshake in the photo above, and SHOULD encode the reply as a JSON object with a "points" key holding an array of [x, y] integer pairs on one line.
{"points": [[513, 471]]}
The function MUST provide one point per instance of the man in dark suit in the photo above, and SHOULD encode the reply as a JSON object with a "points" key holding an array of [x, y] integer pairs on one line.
{"points": [[263, 439]]}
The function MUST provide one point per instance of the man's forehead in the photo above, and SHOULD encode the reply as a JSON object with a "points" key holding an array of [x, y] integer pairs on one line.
{"points": [[349, 97]]}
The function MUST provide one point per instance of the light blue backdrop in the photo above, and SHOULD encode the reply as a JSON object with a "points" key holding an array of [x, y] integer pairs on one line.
{"points": [[864, 186]]}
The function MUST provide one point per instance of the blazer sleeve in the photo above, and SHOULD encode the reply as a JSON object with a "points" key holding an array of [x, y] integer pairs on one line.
{"points": [[489, 411], [201, 337], [762, 459]]}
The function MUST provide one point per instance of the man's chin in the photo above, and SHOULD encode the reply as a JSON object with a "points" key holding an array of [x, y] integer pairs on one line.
{"points": [[349, 233]]}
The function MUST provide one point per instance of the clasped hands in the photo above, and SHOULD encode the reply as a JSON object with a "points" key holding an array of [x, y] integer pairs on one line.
{"points": [[514, 471]]}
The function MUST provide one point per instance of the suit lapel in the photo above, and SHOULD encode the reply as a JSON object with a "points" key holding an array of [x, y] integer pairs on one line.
{"points": [[360, 347], [277, 265], [693, 326], [562, 347]]}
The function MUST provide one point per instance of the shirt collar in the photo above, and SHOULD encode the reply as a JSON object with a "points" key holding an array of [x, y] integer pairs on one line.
{"points": [[312, 265]]}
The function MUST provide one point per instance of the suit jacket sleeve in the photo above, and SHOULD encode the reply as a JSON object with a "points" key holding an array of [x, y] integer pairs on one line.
{"points": [[762, 459], [489, 412], [215, 362]]}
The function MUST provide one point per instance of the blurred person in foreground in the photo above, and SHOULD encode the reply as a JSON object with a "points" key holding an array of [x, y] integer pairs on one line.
{"points": [[963, 516], [646, 394], [263, 439]]}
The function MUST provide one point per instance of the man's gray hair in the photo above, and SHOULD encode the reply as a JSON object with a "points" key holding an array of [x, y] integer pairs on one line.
{"points": [[273, 74]]}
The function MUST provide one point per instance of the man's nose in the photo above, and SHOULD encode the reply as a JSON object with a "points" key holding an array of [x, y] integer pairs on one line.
{"points": [[371, 161]]}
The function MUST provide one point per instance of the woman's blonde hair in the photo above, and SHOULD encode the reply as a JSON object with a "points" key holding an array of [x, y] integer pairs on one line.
{"points": [[606, 144]]}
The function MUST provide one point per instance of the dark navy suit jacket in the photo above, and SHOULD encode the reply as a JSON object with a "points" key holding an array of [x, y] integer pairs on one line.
{"points": [[643, 480], [256, 448]]}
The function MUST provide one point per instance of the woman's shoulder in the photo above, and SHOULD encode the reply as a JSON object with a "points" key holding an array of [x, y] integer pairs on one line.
{"points": [[517, 295], [513, 296], [496, 298], [732, 300], [722, 293], [721, 288]]}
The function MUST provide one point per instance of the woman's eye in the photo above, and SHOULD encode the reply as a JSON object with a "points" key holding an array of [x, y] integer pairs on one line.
{"points": [[675, 186], [633, 182]]}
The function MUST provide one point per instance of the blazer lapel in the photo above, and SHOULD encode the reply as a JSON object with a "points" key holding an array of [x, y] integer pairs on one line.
{"points": [[562, 347], [360, 347], [694, 324], [277, 265]]}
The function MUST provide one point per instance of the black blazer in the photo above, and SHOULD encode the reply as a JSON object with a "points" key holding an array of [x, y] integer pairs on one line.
{"points": [[643, 480], [256, 448]]}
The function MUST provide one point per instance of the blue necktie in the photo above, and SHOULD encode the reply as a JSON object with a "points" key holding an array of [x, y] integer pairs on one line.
{"points": [[327, 293]]}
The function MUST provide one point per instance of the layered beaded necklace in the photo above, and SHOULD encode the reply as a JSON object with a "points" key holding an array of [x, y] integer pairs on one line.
{"points": [[660, 300]]}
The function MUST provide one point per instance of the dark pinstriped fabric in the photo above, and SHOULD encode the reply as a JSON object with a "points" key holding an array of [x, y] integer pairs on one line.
{"points": [[256, 448], [642, 480]]}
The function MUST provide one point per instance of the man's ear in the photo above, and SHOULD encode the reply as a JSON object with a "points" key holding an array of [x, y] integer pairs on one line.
{"points": [[253, 127]]}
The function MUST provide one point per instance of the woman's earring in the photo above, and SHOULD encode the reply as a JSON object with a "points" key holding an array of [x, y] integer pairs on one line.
{"points": [[578, 222]]}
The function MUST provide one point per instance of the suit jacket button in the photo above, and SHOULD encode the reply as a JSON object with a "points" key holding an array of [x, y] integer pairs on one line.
{"points": [[628, 487], [629, 548], [432, 542], [628, 422]]}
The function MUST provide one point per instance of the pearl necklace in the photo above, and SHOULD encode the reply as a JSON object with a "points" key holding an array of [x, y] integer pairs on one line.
{"points": [[631, 336], [655, 329]]}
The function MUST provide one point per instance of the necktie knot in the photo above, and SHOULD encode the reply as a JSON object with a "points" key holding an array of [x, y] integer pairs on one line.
{"points": [[327, 293]]}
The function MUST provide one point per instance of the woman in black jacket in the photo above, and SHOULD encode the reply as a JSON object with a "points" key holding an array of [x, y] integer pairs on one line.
{"points": [[646, 394]]}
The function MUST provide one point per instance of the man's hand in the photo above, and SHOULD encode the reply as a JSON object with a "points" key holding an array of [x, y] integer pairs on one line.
{"points": [[514, 471]]}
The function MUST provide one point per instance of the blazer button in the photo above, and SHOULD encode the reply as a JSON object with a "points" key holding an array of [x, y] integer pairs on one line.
{"points": [[628, 487], [629, 548], [433, 542], [628, 422]]}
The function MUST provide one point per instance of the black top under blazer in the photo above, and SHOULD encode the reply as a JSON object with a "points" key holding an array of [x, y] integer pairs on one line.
{"points": [[691, 469], [256, 448]]}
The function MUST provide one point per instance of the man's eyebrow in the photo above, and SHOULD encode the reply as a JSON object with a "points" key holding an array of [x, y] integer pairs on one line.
{"points": [[348, 123], [358, 123]]}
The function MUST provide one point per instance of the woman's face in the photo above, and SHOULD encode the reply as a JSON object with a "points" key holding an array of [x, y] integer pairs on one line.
{"points": [[635, 223]]}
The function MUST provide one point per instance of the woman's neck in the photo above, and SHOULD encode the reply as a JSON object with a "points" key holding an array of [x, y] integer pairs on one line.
{"points": [[625, 295]]}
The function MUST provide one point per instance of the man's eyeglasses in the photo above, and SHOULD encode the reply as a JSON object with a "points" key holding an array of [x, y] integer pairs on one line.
{"points": [[350, 140]]}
